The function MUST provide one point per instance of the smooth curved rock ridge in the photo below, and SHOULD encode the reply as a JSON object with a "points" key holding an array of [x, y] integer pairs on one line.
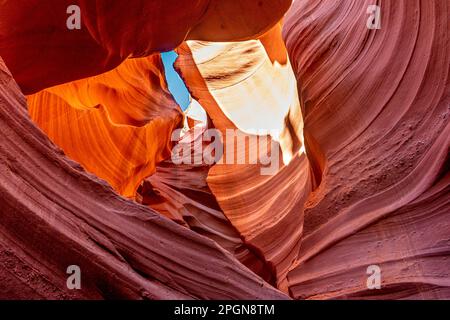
{"points": [[135, 93], [252, 83], [376, 111], [36, 44], [180, 192], [124, 249], [372, 189], [117, 125], [246, 86]]}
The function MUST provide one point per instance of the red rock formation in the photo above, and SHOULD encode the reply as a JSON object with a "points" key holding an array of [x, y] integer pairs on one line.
{"points": [[116, 125], [372, 107], [250, 86], [36, 44], [376, 110], [124, 249], [180, 192]]}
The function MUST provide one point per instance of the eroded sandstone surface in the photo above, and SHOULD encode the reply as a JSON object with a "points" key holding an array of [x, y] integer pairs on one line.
{"points": [[358, 119]]}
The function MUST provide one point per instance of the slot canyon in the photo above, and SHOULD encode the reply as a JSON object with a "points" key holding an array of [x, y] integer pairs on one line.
{"points": [[356, 117]]}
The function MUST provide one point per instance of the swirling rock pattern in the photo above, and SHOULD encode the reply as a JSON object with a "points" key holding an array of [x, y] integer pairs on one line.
{"points": [[254, 95], [117, 125], [181, 193], [363, 121], [124, 249], [376, 109]]}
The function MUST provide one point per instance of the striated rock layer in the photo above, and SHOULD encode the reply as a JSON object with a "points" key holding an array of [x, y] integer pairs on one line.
{"points": [[369, 106], [124, 249], [376, 109], [249, 87], [116, 125], [181, 193]]}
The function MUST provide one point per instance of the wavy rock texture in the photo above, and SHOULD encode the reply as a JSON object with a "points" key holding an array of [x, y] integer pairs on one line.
{"points": [[124, 249], [246, 85], [376, 109], [116, 125], [180, 192], [36, 44], [250, 86], [371, 108]]}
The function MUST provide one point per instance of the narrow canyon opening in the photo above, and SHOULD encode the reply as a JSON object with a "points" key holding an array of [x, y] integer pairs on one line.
{"points": [[248, 88], [293, 77]]}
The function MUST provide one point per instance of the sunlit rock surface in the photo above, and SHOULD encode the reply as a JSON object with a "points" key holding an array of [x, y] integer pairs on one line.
{"points": [[181, 193], [249, 86], [116, 125], [124, 249], [250, 82], [369, 107]]}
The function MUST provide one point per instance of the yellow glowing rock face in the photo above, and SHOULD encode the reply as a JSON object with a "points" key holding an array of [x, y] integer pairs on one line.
{"points": [[116, 125], [253, 84], [134, 93], [249, 87]]}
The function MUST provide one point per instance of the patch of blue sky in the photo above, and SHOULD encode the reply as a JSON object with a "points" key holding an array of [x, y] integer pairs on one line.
{"points": [[176, 85]]}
